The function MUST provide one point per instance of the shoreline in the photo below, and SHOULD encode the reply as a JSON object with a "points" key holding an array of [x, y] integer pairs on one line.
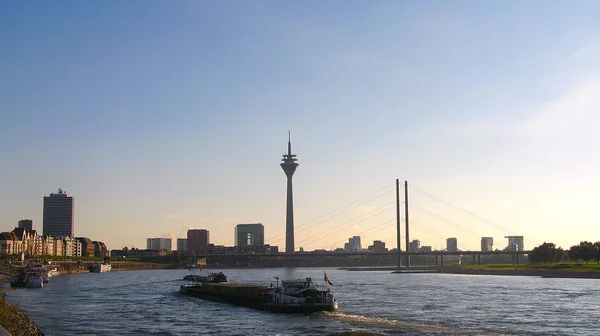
{"points": [[545, 273], [13, 320]]}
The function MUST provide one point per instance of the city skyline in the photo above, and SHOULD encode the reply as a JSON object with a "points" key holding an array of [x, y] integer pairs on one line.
{"points": [[334, 246], [164, 117]]}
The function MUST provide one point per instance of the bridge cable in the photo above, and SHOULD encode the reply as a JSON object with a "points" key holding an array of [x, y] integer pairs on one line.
{"points": [[467, 212], [381, 209], [331, 214]]}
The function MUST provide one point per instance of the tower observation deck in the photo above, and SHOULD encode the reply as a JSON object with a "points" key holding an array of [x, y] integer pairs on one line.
{"points": [[289, 166]]}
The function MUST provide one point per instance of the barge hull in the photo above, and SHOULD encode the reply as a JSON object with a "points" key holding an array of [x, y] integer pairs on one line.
{"points": [[246, 301], [299, 308], [250, 296]]}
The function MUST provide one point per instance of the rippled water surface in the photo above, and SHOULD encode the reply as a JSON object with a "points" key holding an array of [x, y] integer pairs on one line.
{"points": [[371, 303]]}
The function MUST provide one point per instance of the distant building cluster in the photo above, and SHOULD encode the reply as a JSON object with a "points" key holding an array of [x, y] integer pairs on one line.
{"points": [[515, 243], [30, 243], [58, 238], [248, 238], [159, 244], [353, 244], [414, 246], [378, 246]]}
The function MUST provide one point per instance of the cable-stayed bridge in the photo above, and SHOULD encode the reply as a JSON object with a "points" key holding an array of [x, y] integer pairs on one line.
{"points": [[377, 216]]}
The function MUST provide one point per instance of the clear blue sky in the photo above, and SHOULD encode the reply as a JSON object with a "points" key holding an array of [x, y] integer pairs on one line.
{"points": [[158, 116]]}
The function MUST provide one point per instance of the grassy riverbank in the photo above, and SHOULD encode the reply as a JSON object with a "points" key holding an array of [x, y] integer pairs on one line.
{"points": [[14, 320], [562, 267], [551, 270]]}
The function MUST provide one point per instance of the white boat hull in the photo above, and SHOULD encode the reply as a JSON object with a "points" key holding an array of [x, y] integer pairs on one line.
{"points": [[101, 268]]}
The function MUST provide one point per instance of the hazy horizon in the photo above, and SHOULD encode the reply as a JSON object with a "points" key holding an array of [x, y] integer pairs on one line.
{"points": [[163, 116]]}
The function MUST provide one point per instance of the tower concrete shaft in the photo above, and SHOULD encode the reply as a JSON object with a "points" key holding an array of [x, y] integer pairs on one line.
{"points": [[289, 166]]}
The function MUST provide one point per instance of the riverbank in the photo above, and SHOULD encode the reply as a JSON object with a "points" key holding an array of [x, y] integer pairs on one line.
{"points": [[17, 323], [557, 270], [13, 320], [544, 271]]}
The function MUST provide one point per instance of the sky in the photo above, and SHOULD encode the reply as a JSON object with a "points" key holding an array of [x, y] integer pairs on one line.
{"points": [[160, 116]]}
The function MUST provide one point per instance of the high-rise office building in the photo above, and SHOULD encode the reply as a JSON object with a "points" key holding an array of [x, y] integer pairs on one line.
{"points": [[451, 245], [414, 246], [159, 244], [181, 244], [26, 223], [197, 241], [59, 215], [487, 244], [249, 235], [378, 246], [289, 166], [515, 243], [353, 244]]}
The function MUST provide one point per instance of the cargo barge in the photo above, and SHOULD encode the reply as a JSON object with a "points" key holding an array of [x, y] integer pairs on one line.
{"points": [[211, 277], [293, 296]]}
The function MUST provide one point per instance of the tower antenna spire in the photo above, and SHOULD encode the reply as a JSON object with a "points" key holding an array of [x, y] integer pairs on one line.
{"points": [[289, 142]]}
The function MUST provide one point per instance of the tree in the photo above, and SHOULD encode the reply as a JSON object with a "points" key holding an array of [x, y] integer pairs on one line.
{"points": [[547, 253], [586, 250], [596, 252], [561, 254], [574, 253]]}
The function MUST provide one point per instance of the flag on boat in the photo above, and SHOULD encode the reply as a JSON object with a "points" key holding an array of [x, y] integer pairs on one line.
{"points": [[326, 279]]}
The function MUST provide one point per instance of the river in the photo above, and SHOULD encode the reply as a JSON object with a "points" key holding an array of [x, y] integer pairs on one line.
{"points": [[374, 303]]}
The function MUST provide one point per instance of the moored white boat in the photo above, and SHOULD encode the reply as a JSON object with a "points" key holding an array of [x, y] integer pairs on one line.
{"points": [[100, 268], [52, 271], [37, 270]]}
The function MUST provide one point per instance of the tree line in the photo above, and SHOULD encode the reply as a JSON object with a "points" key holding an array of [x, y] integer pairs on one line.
{"points": [[549, 253]]}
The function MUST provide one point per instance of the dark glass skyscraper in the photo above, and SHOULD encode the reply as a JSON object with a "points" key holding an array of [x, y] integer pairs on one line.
{"points": [[59, 215], [198, 240]]}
